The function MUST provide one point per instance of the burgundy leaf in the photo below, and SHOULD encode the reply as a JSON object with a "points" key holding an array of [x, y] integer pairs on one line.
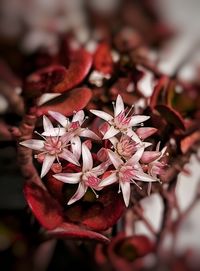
{"points": [[161, 85], [68, 230], [66, 104], [103, 59], [189, 141], [45, 208], [171, 115]]}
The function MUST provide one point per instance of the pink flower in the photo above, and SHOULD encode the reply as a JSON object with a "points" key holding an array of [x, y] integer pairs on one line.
{"points": [[75, 127], [88, 177], [126, 173], [122, 121], [51, 147]]}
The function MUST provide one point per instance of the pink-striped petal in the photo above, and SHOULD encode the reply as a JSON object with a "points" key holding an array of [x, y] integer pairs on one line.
{"points": [[101, 114], [109, 180], [126, 192], [46, 165], [116, 161], [33, 144], [80, 192], [150, 156], [111, 132], [137, 119], [48, 127], [79, 116], [69, 156], [141, 176], [87, 158], [119, 107], [71, 178], [76, 146], [88, 133], [136, 157], [60, 118]]}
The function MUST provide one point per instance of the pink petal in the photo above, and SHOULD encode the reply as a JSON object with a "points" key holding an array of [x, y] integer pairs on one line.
{"points": [[33, 144], [150, 156], [145, 132], [68, 177], [78, 116], [69, 156], [138, 119], [46, 165], [110, 133], [119, 107], [88, 133], [79, 193], [117, 162], [76, 146], [48, 127], [109, 180], [60, 118], [87, 158], [101, 114], [126, 192]]}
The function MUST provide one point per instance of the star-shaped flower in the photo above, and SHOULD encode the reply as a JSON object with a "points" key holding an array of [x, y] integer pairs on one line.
{"points": [[126, 173], [88, 177], [51, 147], [122, 121], [75, 127]]}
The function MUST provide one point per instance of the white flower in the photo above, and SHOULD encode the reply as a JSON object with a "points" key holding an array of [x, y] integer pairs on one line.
{"points": [[75, 127], [126, 173], [51, 147], [88, 177], [122, 121]]}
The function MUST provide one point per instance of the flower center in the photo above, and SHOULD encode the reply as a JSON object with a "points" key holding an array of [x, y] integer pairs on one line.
{"points": [[53, 145], [90, 180], [126, 147], [126, 173], [122, 121]]}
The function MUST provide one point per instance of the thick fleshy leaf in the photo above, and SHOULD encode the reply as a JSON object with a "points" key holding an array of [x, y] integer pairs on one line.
{"points": [[172, 116], [97, 213], [57, 78], [103, 59], [66, 104], [45, 208], [145, 132], [189, 141], [68, 230], [161, 85]]}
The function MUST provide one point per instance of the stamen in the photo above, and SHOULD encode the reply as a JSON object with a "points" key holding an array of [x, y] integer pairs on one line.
{"points": [[119, 189], [136, 184], [129, 111], [97, 196], [36, 132]]}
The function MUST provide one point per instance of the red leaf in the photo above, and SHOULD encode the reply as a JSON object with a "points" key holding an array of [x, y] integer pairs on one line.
{"points": [[103, 59], [189, 141], [171, 115], [97, 214], [161, 85], [45, 208], [57, 78], [68, 230], [66, 104]]}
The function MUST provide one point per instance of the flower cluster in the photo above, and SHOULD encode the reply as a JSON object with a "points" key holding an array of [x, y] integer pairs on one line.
{"points": [[123, 159]]}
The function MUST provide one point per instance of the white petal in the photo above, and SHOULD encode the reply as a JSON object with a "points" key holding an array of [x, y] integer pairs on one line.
{"points": [[147, 144], [59, 117], [80, 192], [133, 135], [68, 177], [141, 176], [114, 141], [33, 144], [78, 116], [69, 156], [88, 133], [48, 127], [126, 192], [76, 146], [117, 162], [137, 119], [57, 132], [136, 157], [109, 180], [102, 114], [119, 107], [46, 165], [110, 133], [163, 151], [87, 158], [100, 169]]}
